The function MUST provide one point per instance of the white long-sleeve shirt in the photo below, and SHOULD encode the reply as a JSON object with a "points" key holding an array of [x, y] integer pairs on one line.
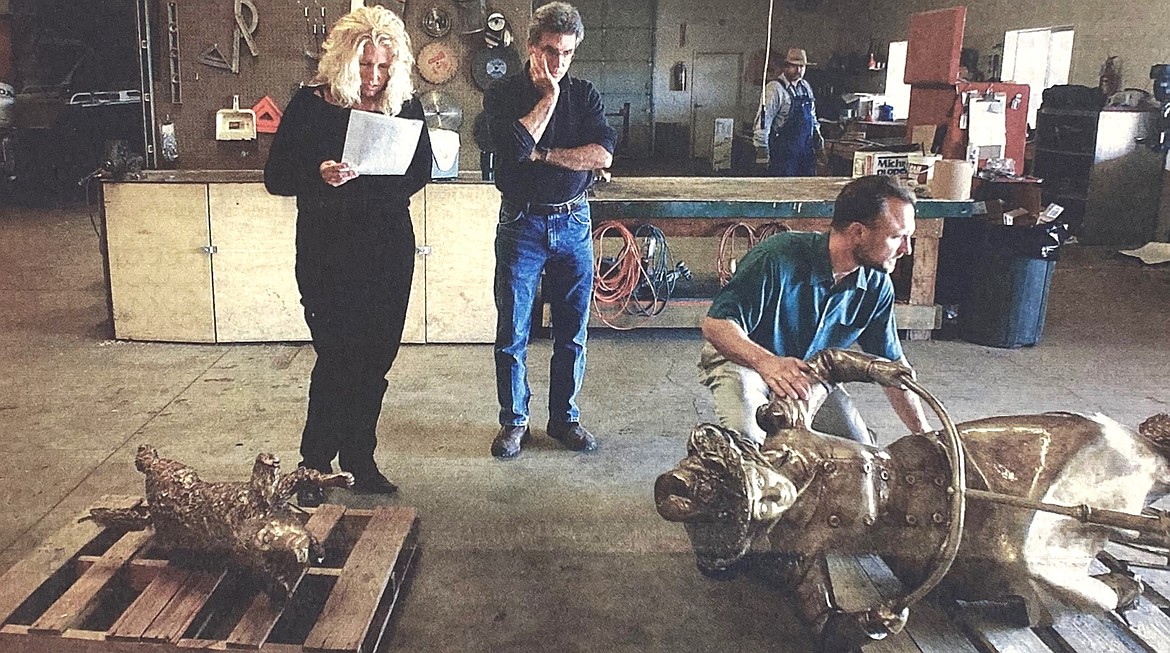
{"points": [[777, 106]]}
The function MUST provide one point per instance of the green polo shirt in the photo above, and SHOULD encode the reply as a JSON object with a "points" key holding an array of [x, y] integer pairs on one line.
{"points": [[783, 296]]}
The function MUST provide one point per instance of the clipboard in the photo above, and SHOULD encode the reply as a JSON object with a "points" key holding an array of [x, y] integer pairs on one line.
{"points": [[376, 144]]}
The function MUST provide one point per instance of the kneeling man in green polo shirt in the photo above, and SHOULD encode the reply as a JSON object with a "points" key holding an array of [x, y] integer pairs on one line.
{"points": [[797, 293]]}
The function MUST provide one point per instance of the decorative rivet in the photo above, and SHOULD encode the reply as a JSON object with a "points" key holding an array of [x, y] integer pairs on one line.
{"points": [[911, 520], [834, 521], [940, 481], [829, 466], [911, 479], [866, 468], [938, 518], [884, 475]]}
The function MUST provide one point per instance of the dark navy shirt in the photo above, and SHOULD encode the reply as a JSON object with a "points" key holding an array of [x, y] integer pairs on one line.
{"points": [[578, 119], [783, 295]]}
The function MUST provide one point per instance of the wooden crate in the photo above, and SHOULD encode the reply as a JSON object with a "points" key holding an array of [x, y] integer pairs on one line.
{"points": [[89, 589]]}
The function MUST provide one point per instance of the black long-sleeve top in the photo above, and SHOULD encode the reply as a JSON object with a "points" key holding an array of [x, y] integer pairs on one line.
{"points": [[353, 238], [311, 131], [578, 119]]}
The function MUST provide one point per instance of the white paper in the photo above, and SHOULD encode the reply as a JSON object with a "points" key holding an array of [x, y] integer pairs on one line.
{"points": [[988, 122], [376, 144]]}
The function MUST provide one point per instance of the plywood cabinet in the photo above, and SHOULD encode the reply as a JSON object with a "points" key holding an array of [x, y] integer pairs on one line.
{"points": [[461, 228], [213, 261], [158, 255]]}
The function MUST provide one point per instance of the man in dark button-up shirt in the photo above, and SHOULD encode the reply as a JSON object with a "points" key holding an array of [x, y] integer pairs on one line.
{"points": [[549, 133]]}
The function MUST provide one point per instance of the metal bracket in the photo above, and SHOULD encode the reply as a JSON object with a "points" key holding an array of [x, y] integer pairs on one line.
{"points": [[423, 250], [209, 249], [173, 45]]}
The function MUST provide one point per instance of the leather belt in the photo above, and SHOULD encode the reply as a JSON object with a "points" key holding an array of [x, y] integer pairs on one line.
{"points": [[535, 208]]}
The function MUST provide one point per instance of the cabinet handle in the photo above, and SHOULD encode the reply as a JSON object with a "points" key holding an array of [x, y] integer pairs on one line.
{"points": [[423, 250], [209, 249]]}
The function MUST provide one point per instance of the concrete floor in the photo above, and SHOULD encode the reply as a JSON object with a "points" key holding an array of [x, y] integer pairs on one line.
{"points": [[554, 551]]}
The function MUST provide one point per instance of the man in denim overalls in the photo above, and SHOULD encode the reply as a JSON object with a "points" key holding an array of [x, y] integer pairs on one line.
{"points": [[794, 138]]}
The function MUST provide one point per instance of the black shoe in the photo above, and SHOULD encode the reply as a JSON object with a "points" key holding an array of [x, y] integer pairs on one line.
{"points": [[509, 440], [572, 435], [310, 496], [373, 483]]}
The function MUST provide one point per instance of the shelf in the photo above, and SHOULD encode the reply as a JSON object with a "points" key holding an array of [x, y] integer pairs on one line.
{"points": [[1067, 196], [1089, 113], [1064, 152]]}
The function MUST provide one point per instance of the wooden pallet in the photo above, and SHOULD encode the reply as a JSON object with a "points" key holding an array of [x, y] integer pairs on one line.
{"points": [[90, 589], [862, 581]]}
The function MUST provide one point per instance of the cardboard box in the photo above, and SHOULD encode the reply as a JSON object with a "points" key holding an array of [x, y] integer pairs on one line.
{"points": [[721, 145], [880, 163]]}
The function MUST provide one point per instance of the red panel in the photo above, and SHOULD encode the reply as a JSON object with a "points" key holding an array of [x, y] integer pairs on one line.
{"points": [[941, 106], [936, 37]]}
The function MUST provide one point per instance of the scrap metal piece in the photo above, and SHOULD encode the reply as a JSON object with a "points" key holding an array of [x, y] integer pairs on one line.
{"points": [[243, 30], [211, 56], [249, 524]]}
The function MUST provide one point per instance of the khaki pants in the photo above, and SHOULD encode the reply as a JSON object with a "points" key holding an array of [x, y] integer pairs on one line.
{"points": [[738, 391]]}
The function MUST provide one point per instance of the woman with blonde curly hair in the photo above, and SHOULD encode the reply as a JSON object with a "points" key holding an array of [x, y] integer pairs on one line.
{"points": [[355, 242]]}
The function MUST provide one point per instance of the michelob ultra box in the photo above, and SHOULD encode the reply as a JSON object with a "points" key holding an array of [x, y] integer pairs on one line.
{"points": [[880, 163]]}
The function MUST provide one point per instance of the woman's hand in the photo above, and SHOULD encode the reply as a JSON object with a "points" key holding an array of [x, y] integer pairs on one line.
{"points": [[335, 173]]}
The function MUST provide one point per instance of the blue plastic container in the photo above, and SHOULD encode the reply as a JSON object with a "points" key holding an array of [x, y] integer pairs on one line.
{"points": [[1009, 301]]}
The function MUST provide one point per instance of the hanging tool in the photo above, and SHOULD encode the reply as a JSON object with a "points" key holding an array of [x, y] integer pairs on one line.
{"points": [[173, 49], [315, 33], [214, 58], [145, 78], [243, 30]]}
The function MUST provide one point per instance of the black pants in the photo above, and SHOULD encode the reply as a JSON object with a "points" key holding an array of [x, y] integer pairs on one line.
{"points": [[355, 349], [356, 329]]}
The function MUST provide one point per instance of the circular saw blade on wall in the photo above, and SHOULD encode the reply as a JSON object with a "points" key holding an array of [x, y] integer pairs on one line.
{"points": [[493, 64], [436, 22], [437, 62], [441, 111]]}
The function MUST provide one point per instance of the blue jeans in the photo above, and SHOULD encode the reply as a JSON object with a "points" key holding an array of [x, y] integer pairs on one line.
{"points": [[561, 246]]}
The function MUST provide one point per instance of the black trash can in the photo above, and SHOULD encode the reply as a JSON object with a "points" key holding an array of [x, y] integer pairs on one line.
{"points": [[1010, 283]]}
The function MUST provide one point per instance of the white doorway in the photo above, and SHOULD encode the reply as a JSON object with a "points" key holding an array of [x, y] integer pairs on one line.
{"points": [[714, 94]]}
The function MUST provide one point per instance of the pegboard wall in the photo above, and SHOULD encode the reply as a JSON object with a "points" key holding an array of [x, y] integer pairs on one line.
{"points": [[282, 36]]}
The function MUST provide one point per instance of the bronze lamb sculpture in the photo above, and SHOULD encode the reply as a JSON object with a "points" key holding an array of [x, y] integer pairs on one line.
{"points": [[1019, 509], [247, 524]]}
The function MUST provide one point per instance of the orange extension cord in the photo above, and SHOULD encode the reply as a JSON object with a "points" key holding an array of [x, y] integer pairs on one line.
{"points": [[613, 288]]}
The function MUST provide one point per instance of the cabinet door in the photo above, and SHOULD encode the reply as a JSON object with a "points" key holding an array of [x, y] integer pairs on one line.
{"points": [[160, 270], [461, 230], [415, 329], [256, 295]]}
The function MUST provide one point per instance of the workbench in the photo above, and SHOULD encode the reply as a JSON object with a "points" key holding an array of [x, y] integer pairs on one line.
{"points": [[705, 207], [207, 255]]}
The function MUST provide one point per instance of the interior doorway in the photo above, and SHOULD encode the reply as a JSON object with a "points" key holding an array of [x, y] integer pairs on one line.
{"points": [[714, 94]]}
